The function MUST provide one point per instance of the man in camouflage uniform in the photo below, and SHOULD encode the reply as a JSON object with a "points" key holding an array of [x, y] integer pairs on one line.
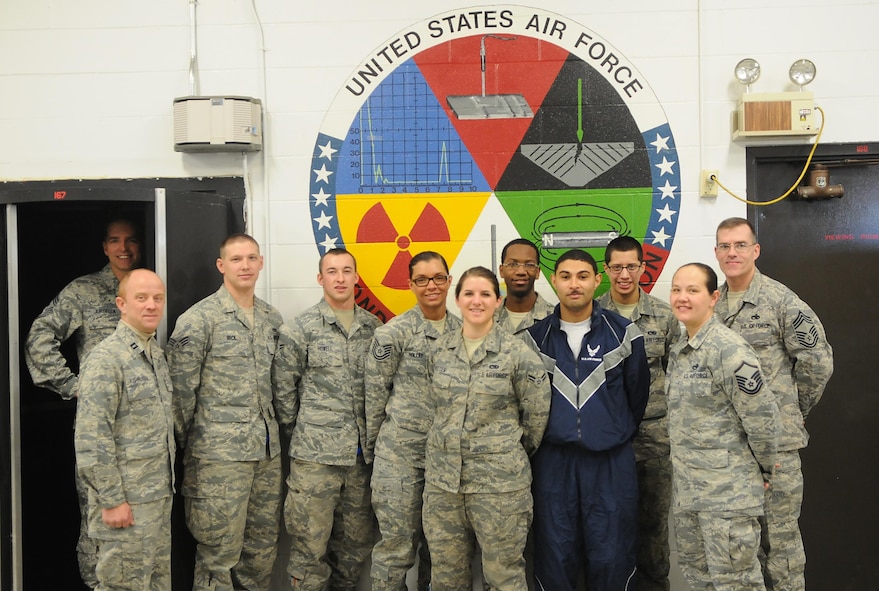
{"points": [[490, 397], [519, 269], [221, 355], [724, 426], [624, 264], [797, 360], [124, 443], [398, 416], [328, 510], [85, 310]]}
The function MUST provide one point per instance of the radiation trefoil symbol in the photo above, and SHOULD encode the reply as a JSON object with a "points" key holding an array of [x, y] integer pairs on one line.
{"points": [[377, 227]]}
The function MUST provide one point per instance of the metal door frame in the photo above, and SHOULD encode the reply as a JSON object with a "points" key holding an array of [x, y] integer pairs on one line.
{"points": [[12, 260]]}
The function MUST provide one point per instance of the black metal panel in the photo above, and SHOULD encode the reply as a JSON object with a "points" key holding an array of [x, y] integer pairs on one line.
{"points": [[197, 222], [5, 444], [828, 252]]}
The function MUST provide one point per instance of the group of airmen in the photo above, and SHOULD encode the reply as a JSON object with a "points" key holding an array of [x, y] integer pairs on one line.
{"points": [[555, 439]]}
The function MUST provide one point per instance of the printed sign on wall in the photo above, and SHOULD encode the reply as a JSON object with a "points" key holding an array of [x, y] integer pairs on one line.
{"points": [[504, 105]]}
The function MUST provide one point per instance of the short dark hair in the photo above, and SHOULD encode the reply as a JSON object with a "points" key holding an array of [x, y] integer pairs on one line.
{"points": [[479, 272], [112, 221], [623, 244], [576, 254], [237, 237], [730, 223], [514, 242], [424, 256], [332, 252], [710, 275]]}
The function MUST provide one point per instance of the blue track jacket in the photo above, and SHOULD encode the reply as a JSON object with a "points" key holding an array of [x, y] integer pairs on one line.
{"points": [[599, 399]]}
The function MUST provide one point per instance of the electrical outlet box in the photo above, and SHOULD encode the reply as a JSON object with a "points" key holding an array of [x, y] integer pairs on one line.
{"points": [[707, 184]]}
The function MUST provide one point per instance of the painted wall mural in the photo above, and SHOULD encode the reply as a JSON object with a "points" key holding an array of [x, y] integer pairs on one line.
{"points": [[504, 104]]}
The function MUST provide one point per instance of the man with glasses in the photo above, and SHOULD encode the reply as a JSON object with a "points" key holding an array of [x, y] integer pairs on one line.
{"points": [[797, 362], [624, 264], [519, 269], [398, 417]]}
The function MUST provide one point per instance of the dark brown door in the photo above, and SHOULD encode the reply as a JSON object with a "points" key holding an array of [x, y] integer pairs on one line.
{"points": [[828, 253]]}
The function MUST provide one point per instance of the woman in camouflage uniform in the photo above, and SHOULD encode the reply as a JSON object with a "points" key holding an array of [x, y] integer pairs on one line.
{"points": [[723, 427], [491, 399]]}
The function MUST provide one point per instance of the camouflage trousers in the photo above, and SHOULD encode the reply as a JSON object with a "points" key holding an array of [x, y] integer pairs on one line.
{"points": [[233, 510], [782, 555], [718, 552], [396, 498], [499, 522], [654, 500], [329, 516], [136, 557], [86, 551]]}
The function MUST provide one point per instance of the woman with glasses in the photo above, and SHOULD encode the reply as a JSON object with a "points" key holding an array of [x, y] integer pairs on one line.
{"points": [[398, 416], [490, 395]]}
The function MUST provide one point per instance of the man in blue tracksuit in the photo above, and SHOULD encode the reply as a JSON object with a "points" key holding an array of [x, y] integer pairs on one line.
{"points": [[585, 484]]}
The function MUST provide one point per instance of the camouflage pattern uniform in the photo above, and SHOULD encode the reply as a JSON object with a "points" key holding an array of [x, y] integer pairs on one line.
{"points": [[125, 450], [797, 362], [224, 415], [490, 414], [661, 329], [541, 310], [398, 416], [86, 310], [724, 425], [328, 510]]}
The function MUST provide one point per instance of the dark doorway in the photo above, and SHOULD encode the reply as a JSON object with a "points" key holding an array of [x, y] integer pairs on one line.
{"points": [[59, 239], [827, 252]]}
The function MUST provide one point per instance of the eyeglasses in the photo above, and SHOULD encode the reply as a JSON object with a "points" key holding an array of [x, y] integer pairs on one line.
{"points": [[531, 267], [738, 246], [437, 280], [631, 268]]}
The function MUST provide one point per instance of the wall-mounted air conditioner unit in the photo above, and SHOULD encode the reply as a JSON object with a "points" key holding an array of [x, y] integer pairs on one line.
{"points": [[217, 124], [775, 114]]}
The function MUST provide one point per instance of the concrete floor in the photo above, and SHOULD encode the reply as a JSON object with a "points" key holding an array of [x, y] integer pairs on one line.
{"points": [[279, 581]]}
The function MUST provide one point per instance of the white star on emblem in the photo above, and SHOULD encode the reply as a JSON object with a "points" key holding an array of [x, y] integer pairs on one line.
{"points": [[323, 174], [324, 220], [660, 237], [668, 190], [320, 198], [661, 143], [327, 151], [330, 243], [665, 214], [665, 166]]}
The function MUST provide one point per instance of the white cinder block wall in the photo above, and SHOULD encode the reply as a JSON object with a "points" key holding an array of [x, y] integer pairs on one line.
{"points": [[86, 90]]}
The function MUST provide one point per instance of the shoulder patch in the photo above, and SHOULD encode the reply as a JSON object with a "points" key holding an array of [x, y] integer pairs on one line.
{"points": [[805, 331], [537, 377], [748, 378], [380, 352], [178, 343]]}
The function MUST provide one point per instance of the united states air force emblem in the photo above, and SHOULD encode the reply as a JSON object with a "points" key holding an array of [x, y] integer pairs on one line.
{"points": [[491, 121]]}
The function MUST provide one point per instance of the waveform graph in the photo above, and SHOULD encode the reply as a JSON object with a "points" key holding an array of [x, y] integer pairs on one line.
{"points": [[402, 141]]}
